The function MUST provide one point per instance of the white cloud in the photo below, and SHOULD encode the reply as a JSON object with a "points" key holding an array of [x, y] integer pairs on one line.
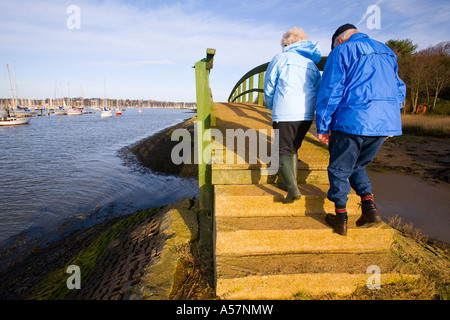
{"points": [[119, 35], [156, 45]]}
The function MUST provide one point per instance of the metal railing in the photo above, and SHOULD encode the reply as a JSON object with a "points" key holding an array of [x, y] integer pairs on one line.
{"points": [[241, 94]]}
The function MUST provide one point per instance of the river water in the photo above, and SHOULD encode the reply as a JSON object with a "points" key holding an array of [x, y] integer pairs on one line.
{"points": [[425, 205], [61, 172]]}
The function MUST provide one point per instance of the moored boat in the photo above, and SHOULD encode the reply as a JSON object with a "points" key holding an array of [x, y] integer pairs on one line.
{"points": [[106, 113], [13, 121], [60, 111], [74, 111], [7, 119]]}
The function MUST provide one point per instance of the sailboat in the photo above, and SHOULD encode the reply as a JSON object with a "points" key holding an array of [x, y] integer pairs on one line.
{"points": [[106, 113], [59, 110], [8, 119], [75, 111]]}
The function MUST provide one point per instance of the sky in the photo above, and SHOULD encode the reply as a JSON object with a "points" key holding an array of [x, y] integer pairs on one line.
{"points": [[122, 49]]}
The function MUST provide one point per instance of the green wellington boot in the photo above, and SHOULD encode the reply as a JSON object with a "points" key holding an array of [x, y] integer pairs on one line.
{"points": [[289, 176], [280, 183], [294, 159]]}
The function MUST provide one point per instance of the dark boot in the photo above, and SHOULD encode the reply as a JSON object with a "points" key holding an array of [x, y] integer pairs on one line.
{"points": [[338, 222], [294, 159], [280, 183], [369, 213], [287, 171]]}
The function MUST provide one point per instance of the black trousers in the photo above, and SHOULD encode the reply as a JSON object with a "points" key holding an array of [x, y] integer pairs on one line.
{"points": [[291, 135]]}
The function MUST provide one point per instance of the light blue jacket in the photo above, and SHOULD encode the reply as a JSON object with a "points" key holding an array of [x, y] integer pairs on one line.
{"points": [[361, 92], [291, 82]]}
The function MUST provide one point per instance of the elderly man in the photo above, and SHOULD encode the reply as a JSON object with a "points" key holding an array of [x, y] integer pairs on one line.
{"points": [[359, 102], [290, 90]]}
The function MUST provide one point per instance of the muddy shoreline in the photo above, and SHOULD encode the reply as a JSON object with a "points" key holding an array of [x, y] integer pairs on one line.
{"points": [[424, 157]]}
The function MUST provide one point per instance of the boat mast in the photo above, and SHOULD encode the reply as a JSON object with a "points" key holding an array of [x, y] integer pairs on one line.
{"points": [[104, 92], [12, 92], [82, 97], [15, 84], [70, 96]]}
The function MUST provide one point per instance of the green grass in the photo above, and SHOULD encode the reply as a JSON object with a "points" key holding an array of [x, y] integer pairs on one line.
{"points": [[426, 125]]}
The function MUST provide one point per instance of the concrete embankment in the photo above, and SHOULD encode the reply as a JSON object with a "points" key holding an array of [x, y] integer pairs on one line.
{"points": [[155, 152]]}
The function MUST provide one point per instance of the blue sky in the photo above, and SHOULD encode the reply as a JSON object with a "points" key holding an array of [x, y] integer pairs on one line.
{"points": [[146, 49]]}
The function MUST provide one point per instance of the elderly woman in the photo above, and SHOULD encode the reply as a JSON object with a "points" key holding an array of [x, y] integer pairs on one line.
{"points": [[291, 84]]}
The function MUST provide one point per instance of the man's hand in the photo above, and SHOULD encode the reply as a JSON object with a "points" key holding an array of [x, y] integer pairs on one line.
{"points": [[324, 138]]}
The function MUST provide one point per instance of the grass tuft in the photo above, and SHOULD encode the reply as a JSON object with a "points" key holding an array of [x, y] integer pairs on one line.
{"points": [[437, 126]]}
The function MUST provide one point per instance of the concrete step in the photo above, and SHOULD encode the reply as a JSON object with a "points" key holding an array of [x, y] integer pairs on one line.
{"points": [[254, 175], [228, 167], [282, 235], [286, 286], [265, 265], [283, 276], [266, 200]]}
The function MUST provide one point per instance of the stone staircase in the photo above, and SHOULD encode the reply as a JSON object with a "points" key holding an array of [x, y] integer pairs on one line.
{"points": [[265, 249]]}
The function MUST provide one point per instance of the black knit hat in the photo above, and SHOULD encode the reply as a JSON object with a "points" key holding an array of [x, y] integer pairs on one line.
{"points": [[341, 29]]}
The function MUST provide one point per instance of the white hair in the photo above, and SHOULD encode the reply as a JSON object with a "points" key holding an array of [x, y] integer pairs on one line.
{"points": [[344, 36], [293, 35]]}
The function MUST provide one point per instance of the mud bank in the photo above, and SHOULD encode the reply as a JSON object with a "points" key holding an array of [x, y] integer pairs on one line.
{"points": [[149, 255], [424, 157]]}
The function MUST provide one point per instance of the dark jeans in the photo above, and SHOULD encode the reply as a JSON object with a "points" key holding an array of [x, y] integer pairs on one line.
{"points": [[291, 135], [349, 157]]}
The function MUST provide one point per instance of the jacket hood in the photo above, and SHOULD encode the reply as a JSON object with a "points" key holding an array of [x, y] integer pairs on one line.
{"points": [[307, 48]]}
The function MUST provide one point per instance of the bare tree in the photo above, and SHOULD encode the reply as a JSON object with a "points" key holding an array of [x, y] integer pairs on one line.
{"points": [[438, 67]]}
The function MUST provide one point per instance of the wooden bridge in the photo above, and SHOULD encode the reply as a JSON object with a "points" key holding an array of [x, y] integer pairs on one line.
{"points": [[265, 249]]}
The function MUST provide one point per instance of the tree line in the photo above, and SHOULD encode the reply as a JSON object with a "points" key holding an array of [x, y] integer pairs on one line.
{"points": [[426, 74]]}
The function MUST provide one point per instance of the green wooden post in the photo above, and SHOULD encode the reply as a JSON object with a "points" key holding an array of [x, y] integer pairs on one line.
{"points": [[203, 93], [261, 86], [244, 88], [213, 113], [250, 86]]}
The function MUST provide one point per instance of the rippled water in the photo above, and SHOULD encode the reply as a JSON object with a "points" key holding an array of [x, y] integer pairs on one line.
{"points": [[423, 204], [68, 168]]}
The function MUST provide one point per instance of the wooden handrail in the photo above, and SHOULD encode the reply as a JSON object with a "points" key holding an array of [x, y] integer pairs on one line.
{"points": [[239, 90]]}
